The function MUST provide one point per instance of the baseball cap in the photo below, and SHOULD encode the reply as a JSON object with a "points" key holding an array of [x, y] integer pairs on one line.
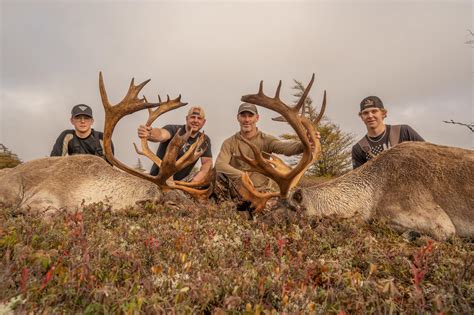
{"points": [[197, 110], [81, 109], [247, 107], [371, 101]]}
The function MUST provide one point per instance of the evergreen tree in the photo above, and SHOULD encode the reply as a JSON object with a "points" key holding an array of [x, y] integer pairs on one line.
{"points": [[7, 158], [139, 166], [335, 158]]}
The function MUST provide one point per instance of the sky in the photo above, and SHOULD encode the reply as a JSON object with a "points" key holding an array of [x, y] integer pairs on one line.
{"points": [[412, 54]]}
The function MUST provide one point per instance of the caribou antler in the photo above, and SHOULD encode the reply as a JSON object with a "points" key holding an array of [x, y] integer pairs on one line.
{"points": [[169, 165], [270, 165]]}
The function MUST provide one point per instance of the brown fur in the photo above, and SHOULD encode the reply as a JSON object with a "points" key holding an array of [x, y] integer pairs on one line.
{"points": [[65, 182], [413, 186]]}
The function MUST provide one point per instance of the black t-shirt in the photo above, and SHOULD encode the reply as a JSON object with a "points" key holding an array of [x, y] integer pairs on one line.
{"points": [[75, 145], [381, 143], [173, 129]]}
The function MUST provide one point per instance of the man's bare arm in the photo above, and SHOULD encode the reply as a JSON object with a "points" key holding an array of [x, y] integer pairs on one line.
{"points": [[153, 134], [206, 165]]}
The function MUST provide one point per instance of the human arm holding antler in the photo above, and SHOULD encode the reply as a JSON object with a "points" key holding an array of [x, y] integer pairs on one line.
{"points": [[286, 147], [153, 134], [171, 162]]}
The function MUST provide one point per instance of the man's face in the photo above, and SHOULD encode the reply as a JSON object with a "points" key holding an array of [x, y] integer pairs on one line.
{"points": [[195, 122], [82, 123], [372, 117], [247, 121]]}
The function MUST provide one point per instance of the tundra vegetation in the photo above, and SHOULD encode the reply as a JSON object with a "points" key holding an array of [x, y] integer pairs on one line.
{"points": [[209, 258]]}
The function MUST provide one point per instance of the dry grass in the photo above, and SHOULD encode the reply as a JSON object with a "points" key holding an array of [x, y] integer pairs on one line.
{"points": [[210, 259]]}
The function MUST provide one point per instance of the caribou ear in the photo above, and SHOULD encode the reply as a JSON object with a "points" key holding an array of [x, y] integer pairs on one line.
{"points": [[297, 196]]}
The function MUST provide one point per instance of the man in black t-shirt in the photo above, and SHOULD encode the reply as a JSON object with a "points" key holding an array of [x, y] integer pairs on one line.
{"points": [[83, 139], [195, 120], [379, 136]]}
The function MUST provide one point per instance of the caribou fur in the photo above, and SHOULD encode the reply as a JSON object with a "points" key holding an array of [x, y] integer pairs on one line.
{"points": [[413, 186], [52, 183]]}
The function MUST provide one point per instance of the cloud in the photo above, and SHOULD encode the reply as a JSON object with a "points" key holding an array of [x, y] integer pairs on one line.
{"points": [[412, 54]]}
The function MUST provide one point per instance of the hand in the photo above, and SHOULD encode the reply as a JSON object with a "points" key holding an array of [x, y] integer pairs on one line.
{"points": [[144, 132]]}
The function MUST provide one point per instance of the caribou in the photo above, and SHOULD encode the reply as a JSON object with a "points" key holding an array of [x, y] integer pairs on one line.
{"points": [[414, 186], [53, 183]]}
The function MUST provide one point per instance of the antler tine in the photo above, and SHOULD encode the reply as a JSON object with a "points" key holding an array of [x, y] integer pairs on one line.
{"points": [[285, 177], [260, 164], [321, 112], [168, 166], [260, 89], [113, 113], [164, 107], [303, 97], [193, 189], [194, 152], [103, 92], [257, 199], [147, 152], [205, 181], [277, 93]]}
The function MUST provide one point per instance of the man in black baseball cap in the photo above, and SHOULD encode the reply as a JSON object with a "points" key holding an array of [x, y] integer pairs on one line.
{"points": [[83, 139], [379, 136], [81, 109]]}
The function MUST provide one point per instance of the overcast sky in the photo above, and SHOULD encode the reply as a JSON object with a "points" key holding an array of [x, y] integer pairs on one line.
{"points": [[412, 54]]}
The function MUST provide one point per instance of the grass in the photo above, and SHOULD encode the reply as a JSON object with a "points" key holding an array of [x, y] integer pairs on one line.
{"points": [[209, 258]]}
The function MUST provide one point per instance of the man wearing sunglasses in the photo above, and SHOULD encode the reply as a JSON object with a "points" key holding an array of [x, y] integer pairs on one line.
{"points": [[83, 139]]}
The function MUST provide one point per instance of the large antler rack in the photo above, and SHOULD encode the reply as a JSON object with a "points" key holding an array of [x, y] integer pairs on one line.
{"points": [[131, 103], [269, 164]]}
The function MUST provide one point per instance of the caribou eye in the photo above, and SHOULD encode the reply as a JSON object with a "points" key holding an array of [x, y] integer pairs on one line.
{"points": [[297, 196]]}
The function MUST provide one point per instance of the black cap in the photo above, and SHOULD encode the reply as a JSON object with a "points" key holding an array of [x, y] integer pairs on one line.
{"points": [[81, 109], [247, 107], [371, 101]]}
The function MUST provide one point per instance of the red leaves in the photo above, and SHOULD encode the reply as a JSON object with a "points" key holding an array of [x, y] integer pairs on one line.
{"points": [[268, 250], [419, 266], [152, 243], [281, 243], [419, 269], [48, 277], [24, 279]]}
